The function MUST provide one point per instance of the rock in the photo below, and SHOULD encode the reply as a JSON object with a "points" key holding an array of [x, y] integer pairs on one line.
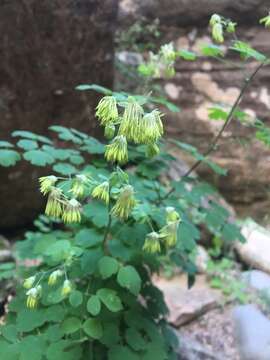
{"points": [[252, 333], [191, 349], [186, 304], [49, 47], [202, 259], [184, 12], [255, 252], [129, 58], [257, 280]]}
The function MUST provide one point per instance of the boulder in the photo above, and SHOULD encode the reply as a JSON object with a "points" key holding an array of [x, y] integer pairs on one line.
{"points": [[252, 329], [257, 280], [186, 304], [185, 12], [255, 252], [48, 48]]}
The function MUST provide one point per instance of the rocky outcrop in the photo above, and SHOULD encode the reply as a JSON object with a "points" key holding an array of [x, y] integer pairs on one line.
{"points": [[47, 48], [200, 84], [187, 12]]}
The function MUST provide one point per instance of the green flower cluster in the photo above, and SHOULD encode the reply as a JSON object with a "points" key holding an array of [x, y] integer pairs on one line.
{"points": [[220, 24]]}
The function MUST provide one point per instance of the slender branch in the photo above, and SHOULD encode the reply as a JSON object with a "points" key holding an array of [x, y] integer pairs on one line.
{"points": [[228, 120]]}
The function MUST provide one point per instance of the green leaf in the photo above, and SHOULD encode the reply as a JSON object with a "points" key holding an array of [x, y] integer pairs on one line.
{"points": [[58, 351], [9, 157], [89, 260], [28, 344], [75, 298], [65, 169], [212, 50], [217, 113], [93, 146], [59, 250], [66, 134], [129, 278], [31, 136], [107, 266], [121, 352], [110, 299], [93, 328], [27, 144], [97, 212], [5, 144], [9, 332], [28, 320], [187, 55], [135, 340], [70, 325], [38, 157], [95, 87], [246, 51], [110, 334], [94, 305], [88, 238]]}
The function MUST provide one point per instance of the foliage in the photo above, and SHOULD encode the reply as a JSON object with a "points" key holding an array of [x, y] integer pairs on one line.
{"points": [[89, 293]]}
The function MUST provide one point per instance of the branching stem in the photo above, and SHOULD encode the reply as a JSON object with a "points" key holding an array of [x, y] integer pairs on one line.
{"points": [[228, 120]]}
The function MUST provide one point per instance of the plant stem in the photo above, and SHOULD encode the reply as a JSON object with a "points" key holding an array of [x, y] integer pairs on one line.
{"points": [[108, 227], [228, 120]]}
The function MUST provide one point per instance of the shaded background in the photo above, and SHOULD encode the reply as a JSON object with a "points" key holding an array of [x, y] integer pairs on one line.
{"points": [[51, 46]]}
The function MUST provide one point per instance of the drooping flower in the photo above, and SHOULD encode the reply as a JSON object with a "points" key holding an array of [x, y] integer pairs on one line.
{"points": [[33, 296], [29, 282], [66, 288], [54, 276], [151, 127], [217, 33], [102, 192], [266, 20], [72, 211], [117, 150], [124, 203], [169, 233], [172, 214], [106, 110], [46, 183], [78, 185], [231, 27], [215, 19], [152, 150], [130, 124], [152, 243], [109, 131], [54, 204]]}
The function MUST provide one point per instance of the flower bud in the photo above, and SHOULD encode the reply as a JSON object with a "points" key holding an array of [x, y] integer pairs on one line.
{"points": [[107, 111], [66, 288], [231, 27], [117, 150], [29, 282], [46, 183], [124, 203], [54, 205], [102, 192], [152, 243], [54, 276], [215, 19], [33, 296], [266, 21], [217, 33], [78, 185], [72, 212], [172, 214]]}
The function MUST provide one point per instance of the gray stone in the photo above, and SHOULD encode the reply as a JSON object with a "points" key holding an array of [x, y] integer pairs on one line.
{"points": [[191, 349], [252, 332], [256, 250], [257, 280]]}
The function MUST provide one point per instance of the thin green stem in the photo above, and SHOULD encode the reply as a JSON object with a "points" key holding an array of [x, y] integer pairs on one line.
{"points": [[228, 120], [108, 227]]}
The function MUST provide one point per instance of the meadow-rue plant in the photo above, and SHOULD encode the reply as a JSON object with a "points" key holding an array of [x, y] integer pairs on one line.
{"points": [[89, 293], [266, 20]]}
